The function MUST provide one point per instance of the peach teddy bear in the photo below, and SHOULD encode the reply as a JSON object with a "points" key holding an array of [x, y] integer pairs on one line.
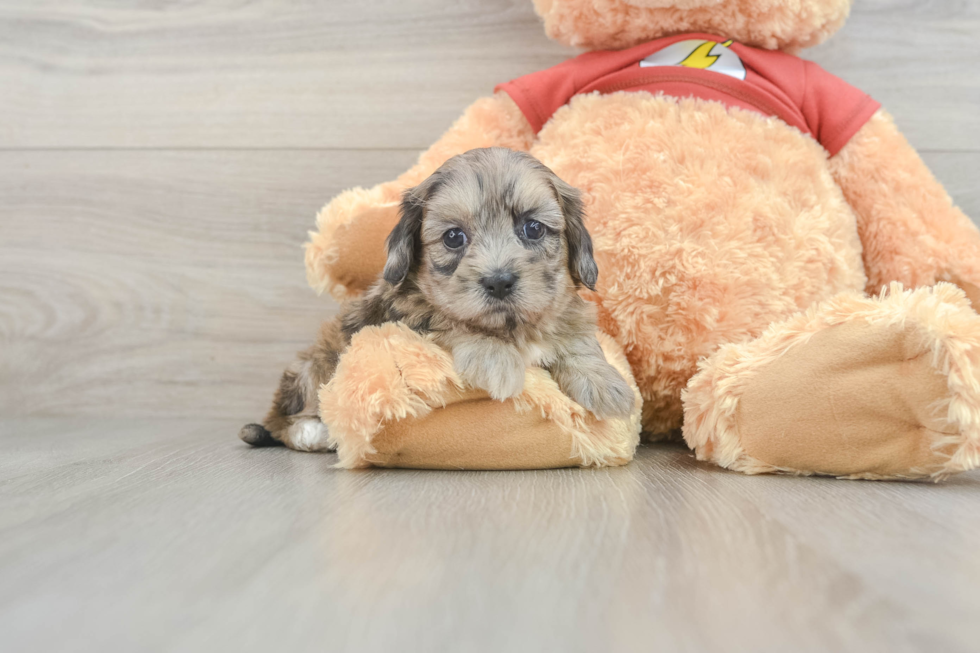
{"points": [[789, 284]]}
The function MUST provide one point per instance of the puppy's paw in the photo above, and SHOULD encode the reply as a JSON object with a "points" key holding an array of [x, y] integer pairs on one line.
{"points": [[600, 389], [498, 370], [307, 434]]}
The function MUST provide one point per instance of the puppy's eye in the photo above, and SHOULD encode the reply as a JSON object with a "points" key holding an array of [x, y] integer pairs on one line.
{"points": [[454, 238], [533, 230]]}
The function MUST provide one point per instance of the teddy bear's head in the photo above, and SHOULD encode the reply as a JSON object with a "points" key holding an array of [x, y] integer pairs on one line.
{"points": [[616, 24]]}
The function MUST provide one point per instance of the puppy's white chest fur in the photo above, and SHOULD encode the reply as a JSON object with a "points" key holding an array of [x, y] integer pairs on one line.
{"points": [[537, 354]]}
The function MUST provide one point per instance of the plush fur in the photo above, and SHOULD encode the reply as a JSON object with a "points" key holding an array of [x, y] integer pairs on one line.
{"points": [[617, 24], [911, 230], [700, 214], [710, 224], [943, 321]]}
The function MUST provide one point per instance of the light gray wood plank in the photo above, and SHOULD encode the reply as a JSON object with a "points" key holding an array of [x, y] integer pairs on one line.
{"points": [[960, 175], [329, 73], [912, 534], [910, 57], [379, 73], [171, 535], [149, 283]]}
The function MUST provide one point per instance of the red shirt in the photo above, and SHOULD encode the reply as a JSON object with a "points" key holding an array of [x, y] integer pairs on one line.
{"points": [[799, 92]]}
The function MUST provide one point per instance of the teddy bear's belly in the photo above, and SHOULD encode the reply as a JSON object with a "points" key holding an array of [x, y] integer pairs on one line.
{"points": [[709, 224]]}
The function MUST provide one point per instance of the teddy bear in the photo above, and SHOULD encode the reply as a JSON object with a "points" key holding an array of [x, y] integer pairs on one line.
{"points": [[782, 280]]}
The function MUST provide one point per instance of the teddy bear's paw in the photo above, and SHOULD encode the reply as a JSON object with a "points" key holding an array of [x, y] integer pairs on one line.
{"points": [[346, 255], [857, 387]]}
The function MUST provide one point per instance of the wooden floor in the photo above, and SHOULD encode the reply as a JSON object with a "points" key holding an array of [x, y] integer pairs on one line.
{"points": [[160, 164], [147, 535]]}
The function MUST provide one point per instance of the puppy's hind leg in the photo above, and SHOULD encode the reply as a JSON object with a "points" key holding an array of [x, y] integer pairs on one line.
{"points": [[293, 419]]}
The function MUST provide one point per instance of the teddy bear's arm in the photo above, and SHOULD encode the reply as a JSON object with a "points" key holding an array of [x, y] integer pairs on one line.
{"points": [[346, 253], [910, 230]]}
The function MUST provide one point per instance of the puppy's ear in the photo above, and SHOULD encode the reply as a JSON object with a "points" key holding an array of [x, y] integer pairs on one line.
{"points": [[404, 242], [580, 261]]}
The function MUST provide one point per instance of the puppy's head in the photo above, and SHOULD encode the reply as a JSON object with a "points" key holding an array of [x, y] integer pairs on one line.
{"points": [[492, 238]]}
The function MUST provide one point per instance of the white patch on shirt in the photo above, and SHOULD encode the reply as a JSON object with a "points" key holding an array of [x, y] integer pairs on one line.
{"points": [[699, 53]]}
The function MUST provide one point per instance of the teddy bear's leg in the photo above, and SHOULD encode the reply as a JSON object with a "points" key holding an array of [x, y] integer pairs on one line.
{"points": [[346, 253], [885, 387], [910, 230]]}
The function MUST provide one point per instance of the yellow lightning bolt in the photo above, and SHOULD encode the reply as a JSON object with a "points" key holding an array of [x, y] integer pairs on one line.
{"points": [[702, 57]]}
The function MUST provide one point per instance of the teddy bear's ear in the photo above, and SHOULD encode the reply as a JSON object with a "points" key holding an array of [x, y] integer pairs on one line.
{"points": [[404, 241], [580, 261]]}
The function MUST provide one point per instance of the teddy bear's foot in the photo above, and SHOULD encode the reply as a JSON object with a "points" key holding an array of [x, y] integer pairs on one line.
{"points": [[857, 387]]}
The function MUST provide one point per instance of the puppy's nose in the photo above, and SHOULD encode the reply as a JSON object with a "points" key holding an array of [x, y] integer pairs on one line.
{"points": [[499, 284]]}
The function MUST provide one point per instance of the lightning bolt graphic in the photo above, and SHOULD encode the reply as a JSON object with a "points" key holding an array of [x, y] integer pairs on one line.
{"points": [[702, 57]]}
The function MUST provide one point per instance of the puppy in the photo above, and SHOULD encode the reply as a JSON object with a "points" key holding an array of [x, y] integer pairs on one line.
{"points": [[486, 260]]}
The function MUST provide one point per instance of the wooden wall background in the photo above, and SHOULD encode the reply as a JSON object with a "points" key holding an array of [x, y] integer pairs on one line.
{"points": [[161, 161]]}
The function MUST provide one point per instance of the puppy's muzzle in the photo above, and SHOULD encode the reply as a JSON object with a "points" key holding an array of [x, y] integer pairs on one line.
{"points": [[499, 284]]}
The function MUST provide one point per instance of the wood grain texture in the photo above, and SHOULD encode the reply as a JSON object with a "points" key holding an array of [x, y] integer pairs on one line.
{"points": [[170, 535], [381, 73], [137, 283]]}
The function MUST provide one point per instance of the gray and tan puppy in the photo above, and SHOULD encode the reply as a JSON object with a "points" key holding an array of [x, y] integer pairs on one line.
{"points": [[486, 260]]}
